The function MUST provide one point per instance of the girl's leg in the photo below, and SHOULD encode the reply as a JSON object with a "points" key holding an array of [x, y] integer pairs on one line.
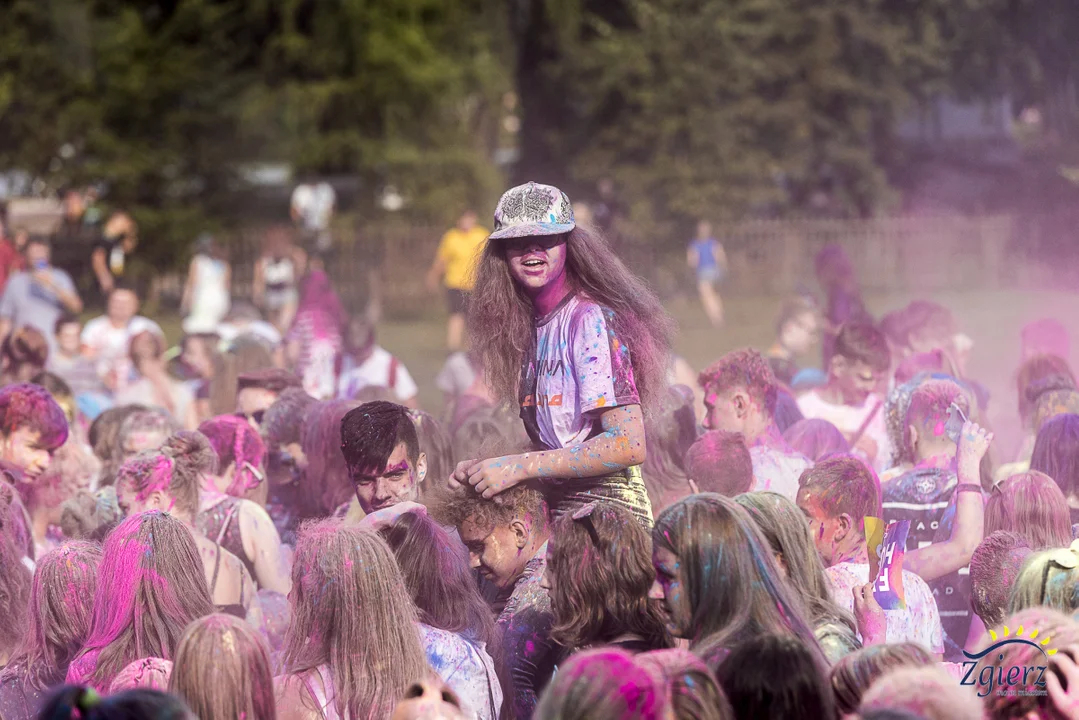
{"points": [[713, 305]]}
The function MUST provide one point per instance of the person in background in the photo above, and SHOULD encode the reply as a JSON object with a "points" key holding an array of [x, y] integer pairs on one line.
{"points": [[77, 370], [797, 329], [604, 683], [843, 298], [719, 462], [740, 393], [109, 258], [314, 342], [282, 429], [836, 496], [691, 688], [708, 261], [455, 264], [457, 376], [929, 693], [38, 296], [61, 601], [668, 435], [146, 429], [107, 339], [855, 673], [104, 439], [860, 359], [245, 321], [258, 390], [205, 301], [326, 489], [1046, 336], [312, 208], [277, 276], [506, 539], [1056, 453], [816, 439], [72, 470], [154, 386], [367, 364], [994, 566], [23, 354], [607, 210], [32, 427], [11, 258]]}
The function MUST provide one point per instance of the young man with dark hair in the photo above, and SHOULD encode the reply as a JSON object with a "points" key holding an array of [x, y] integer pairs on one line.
{"points": [[506, 538], [718, 461], [860, 361], [740, 393], [256, 391], [382, 451], [836, 496]]}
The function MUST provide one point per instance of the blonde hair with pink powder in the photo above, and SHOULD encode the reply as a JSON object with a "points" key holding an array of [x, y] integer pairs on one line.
{"points": [[151, 585]]}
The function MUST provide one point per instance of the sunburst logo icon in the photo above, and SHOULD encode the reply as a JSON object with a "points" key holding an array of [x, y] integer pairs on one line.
{"points": [[1019, 635]]}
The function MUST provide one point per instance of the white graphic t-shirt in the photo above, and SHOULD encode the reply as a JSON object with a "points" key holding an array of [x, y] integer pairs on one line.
{"points": [[777, 470], [849, 419], [579, 366], [918, 623]]}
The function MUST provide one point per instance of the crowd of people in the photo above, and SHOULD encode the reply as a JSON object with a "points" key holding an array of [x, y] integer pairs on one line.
{"points": [[262, 522]]}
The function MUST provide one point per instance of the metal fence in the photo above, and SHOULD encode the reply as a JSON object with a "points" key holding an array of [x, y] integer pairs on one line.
{"points": [[766, 257]]}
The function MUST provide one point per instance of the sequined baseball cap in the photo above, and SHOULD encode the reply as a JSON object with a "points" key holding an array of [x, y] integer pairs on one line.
{"points": [[532, 209]]}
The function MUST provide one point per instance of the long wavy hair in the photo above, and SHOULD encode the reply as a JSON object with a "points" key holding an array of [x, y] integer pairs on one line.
{"points": [[438, 577], [1032, 505], [602, 570], [15, 580], [733, 585], [239, 681], [352, 612], [151, 585], [61, 602], [502, 318], [855, 673], [785, 528], [668, 437]]}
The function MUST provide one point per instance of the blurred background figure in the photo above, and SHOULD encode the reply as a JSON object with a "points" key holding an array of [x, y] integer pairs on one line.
{"points": [[206, 295], [455, 264], [709, 262]]}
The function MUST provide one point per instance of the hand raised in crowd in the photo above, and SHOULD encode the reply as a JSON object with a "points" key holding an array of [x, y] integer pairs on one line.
{"points": [[388, 516], [488, 477], [1065, 700], [869, 615], [974, 442]]}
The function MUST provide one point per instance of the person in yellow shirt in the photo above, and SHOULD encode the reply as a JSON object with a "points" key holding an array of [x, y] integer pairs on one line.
{"points": [[455, 264]]}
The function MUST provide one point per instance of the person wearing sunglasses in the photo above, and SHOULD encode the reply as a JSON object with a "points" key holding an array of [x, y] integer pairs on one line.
{"points": [[231, 508], [257, 391]]}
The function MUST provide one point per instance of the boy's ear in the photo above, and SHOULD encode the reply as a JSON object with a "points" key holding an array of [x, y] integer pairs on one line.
{"points": [[421, 468]]}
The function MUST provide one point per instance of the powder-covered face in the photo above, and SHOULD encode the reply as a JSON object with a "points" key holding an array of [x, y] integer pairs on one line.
{"points": [[498, 553], [536, 262], [669, 590], [23, 449], [720, 412], [397, 482], [821, 527]]}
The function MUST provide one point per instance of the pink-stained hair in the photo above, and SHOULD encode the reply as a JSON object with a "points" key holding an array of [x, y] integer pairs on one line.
{"points": [[32, 407], [176, 469], [326, 478], [151, 673], [15, 579], [929, 406], [61, 601], [151, 585], [604, 683], [747, 370], [1032, 505], [236, 441]]}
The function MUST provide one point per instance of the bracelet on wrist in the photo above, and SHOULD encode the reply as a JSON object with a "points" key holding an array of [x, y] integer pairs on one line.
{"points": [[968, 487]]}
